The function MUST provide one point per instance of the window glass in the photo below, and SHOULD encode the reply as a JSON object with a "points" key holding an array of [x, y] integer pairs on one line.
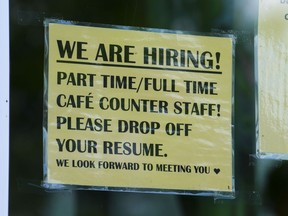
{"points": [[27, 197]]}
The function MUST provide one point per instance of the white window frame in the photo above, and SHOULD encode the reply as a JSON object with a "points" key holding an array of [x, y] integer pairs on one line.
{"points": [[4, 106]]}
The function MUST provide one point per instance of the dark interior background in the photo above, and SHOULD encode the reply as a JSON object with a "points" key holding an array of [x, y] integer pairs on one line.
{"points": [[260, 185]]}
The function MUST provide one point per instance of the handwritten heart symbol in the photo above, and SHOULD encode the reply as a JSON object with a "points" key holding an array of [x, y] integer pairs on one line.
{"points": [[217, 170]]}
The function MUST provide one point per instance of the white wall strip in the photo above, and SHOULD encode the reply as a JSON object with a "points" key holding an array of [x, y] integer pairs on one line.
{"points": [[4, 106]]}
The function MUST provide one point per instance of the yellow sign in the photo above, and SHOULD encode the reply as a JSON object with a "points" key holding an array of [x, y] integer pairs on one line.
{"points": [[272, 79], [139, 109]]}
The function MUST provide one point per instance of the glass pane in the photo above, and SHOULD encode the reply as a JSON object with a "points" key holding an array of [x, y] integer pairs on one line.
{"points": [[27, 197]]}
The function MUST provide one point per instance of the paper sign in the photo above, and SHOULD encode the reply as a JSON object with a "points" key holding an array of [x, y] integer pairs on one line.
{"points": [[272, 79], [139, 109]]}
